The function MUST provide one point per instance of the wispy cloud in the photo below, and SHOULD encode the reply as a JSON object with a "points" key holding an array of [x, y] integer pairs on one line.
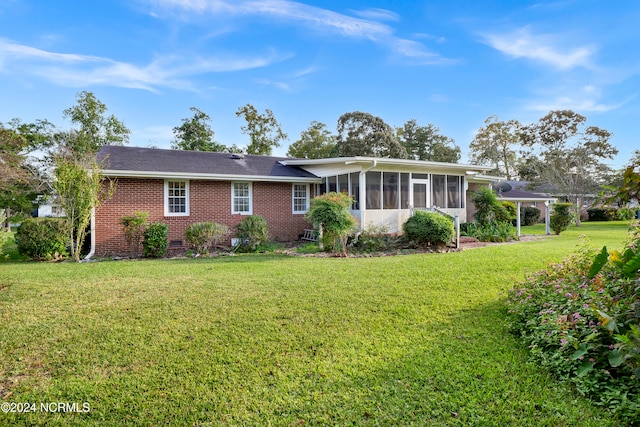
{"points": [[376, 14], [364, 25], [544, 48], [74, 70], [581, 99]]}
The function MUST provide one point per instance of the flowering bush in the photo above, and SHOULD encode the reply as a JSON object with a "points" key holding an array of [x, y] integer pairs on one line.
{"points": [[580, 320]]}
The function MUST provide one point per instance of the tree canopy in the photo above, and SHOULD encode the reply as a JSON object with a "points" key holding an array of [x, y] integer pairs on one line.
{"points": [[496, 144], [93, 129], [316, 142], [196, 134], [363, 134], [263, 129], [569, 156], [427, 143]]}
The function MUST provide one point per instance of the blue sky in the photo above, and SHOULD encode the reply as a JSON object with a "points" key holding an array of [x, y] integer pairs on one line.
{"points": [[450, 63]]}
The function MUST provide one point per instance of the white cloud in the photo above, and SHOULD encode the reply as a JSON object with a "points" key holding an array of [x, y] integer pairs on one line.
{"points": [[377, 14], [542, 48], [75, 70], [308, 16], [585, 100]]}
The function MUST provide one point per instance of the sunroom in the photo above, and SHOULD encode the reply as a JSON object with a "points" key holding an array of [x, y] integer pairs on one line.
{"points": [[387, 191]]}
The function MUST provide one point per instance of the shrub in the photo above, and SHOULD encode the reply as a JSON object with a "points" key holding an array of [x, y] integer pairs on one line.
{"points": [[252, 232], [491, 232], [330, 213], [42, 239], [155, 242], [133, 227], [429, 228], [529, 215], [507, 214], [561, 217], [4, 235], [597, 214], [580, 318], [625, 214], [204, 235], [373, 239]]}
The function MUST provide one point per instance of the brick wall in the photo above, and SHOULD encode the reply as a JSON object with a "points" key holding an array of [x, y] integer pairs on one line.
{"points": [[209, 201]]}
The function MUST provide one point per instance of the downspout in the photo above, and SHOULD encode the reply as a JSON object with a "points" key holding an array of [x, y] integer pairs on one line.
{"points": [[363, 192], [92, 251]]}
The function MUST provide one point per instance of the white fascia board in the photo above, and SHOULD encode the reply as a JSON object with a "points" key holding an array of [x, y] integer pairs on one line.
{"points": [[383, 161], [527, 199], [206, 176]]}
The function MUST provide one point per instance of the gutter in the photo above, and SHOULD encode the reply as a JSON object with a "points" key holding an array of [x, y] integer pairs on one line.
{"points": [[92, 251]]}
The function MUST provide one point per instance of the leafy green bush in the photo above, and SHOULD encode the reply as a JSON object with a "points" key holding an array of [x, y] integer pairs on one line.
{"points": [[488, 209], [252, 233], [508, 214], [561, 217], [204, 235], [133, 227], [491, 232], [429, 228], [581, 320], [529, 215], [598, 214], [625, 214], [4, 235], [373, 239], [155, 242], [43, 238], [330, 213]]}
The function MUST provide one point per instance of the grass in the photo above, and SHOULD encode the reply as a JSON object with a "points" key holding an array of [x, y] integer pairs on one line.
{"points": [[277, 340]]}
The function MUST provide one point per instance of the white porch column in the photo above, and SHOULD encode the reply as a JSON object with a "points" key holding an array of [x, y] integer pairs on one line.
{"points": [[363, 198], [547, 217], [518, 205]]}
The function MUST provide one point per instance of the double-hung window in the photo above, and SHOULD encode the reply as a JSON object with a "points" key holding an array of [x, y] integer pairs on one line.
{"points": [[176, 198], [300, 198], [241, 198]]}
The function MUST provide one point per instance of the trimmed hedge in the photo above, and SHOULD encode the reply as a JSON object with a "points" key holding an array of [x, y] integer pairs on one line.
{"points": [[529, 215], [561, 217], [429, 228], [155, 242]]}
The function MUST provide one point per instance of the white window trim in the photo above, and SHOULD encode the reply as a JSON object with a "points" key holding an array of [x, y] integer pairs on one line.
{"points": [[166, 198], [293, 197], [233, 195]]}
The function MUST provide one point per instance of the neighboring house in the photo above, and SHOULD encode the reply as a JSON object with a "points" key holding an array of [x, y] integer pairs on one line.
{"points": [[48, 211], [182, 187], [516, 192]]}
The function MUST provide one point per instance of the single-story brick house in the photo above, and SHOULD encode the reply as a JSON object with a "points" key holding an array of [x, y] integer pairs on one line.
{"points": [[182, 187]]}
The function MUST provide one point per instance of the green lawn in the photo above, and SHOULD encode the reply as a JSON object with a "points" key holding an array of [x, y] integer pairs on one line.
{"points": [[278, 340]]}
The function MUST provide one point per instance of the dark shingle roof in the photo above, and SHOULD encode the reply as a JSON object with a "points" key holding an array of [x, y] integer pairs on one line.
{"points": [[153, 160]]}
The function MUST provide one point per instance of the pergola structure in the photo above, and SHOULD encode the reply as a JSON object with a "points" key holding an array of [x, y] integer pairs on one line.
{"points": [[507, 193]]}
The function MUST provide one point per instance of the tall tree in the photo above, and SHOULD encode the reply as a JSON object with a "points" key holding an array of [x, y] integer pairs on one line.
{"points": [[80, 188], [93, 128], [496, 144], [427, 143], [196, 134], [316, 142], [263, 129], [570, 155], [363, 134], [22, 174]]}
